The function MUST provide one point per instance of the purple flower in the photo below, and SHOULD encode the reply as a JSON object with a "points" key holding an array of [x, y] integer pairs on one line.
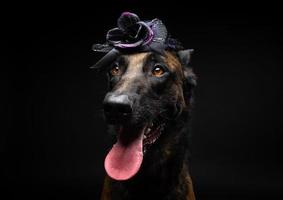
{"points": [[130, 33]]}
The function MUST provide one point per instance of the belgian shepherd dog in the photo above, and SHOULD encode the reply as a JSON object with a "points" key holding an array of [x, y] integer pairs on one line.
{"points": [[148, 108]]}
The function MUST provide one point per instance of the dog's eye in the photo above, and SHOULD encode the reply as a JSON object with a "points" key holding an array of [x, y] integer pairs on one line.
{"points": [[158, 71], [115, 70]]}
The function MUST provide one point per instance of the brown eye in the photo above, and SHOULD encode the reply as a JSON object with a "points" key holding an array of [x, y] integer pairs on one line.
{"points": [[158, 71], [115, 71]]}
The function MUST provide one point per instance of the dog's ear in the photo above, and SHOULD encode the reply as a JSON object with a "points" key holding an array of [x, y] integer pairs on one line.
{"points": [[185, 58]]}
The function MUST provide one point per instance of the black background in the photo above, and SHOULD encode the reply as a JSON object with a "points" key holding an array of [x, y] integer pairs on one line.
{"points": [[53, 139]]}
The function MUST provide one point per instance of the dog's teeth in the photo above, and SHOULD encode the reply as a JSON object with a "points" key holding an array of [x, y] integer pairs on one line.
{"points": [[144, 150], [144, 136]]}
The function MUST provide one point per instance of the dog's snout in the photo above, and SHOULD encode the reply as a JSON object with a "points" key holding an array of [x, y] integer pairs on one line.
{"points": [[117, 105]]}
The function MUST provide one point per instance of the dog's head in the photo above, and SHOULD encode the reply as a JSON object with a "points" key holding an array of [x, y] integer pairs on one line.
{"points": [[150, 85], [146, 92]]}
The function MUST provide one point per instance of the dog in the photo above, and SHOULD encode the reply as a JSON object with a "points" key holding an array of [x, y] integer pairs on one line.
{"points": [[149, 106]]}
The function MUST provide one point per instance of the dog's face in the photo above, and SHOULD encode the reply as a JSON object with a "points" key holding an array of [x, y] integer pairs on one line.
{"points": [[146, 91]]}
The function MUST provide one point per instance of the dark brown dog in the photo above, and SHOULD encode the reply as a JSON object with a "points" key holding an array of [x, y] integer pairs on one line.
{"points": [[148, 108]]}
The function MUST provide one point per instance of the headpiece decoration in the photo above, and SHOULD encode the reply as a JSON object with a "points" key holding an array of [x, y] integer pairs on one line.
{"points": [[133, 35]]}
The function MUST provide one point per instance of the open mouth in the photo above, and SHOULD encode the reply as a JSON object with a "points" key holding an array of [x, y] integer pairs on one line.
{"points": [[125, 158], [152, 133]]}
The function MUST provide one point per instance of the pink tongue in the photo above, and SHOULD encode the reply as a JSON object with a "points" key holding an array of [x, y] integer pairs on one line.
{"points": [[124, 161]]}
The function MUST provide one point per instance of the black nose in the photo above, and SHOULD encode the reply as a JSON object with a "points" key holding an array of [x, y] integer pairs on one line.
{"points": [[117, 107]]}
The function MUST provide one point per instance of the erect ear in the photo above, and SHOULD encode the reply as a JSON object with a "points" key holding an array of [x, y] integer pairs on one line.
{"points": [[185, 58]]}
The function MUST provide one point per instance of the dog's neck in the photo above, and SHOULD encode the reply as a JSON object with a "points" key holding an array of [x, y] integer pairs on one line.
{"points": [[164, 173]]}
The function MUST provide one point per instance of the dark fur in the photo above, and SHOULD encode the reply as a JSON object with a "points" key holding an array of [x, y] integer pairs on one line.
{"points": [[165, 170]]}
